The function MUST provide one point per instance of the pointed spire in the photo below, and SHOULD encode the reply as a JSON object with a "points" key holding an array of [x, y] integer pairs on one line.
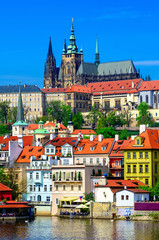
{"points": [[97, 60], [20, 110], [81, 50], [72, 48], [50, 48], [64, 47]]}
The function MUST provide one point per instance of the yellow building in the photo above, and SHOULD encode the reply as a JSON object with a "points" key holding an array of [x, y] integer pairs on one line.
{"points": [[141, 158]]}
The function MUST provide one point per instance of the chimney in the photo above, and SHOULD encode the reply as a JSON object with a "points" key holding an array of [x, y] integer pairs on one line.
{"points": [[102, 181], [20, 140], [133, 137], [58, 125], [142, 128], [52, 136], [132, 84], [100, 137], [92, 137], [116, 137]]}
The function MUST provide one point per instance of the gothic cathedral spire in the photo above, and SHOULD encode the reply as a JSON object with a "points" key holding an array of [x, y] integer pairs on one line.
{"points": [[50, 75], [97, 60]]}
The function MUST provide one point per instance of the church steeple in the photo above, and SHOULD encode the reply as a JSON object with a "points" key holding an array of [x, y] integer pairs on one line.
{"points": [[64, 47], [20, 110], [72, 48], [97, 60], [50, 75], [20, 127]]}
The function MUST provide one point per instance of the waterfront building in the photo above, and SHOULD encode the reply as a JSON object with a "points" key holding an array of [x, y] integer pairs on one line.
{"points": [[141, 157], [32, 98], [106, 191], [5, 192], [39, 179]]}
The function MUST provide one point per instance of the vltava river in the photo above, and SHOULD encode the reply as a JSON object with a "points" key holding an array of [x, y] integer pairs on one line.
{"points": [[72, 229]]}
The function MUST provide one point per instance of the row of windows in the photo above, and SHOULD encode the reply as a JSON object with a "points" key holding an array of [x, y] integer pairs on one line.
{"points": [[33, 188], [46, 175], [33, 198], [142, 168], [141, 155], [91, 160], [67, 176], [64, 188]]}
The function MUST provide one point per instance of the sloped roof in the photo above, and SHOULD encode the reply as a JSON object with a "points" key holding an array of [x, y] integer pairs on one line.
{"points": [[53, 90], [134, 190], [4, 188], [62, 127], [87, 68], [78, 88], [113, 87], [86, 145], [15, 88], [83, 131], [122, 183], [111, 68], [149, 85], [150, 140], [58, 141], [29, 151], [27, 141], [33, 126], [117, 150]]}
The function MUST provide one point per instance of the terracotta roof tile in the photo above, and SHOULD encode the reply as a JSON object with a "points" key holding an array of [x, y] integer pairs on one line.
{"points": [[61, 141], [86, 145], [122, 183], [83, 131], [53, 90], [117, 150], [28, 152], [149, 85], [62, 127], [33, 126], [78, 88], [4, 188], [27, 141]]}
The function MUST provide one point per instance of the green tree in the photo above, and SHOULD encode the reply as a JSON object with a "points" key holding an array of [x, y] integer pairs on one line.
{"points": [[78, 120], [89, 196], [93, 116], [12, 114], [4, 110], [144, 117], [4, 129], [111, 119], [124, 135], [102, 122], [108, 132], [59, 111], [8, 180]]}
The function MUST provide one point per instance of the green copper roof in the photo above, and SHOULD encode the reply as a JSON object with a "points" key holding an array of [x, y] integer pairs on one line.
{"points": [[21, 123], [97, 60], [41, 131], [40, 122], [72, 47]]}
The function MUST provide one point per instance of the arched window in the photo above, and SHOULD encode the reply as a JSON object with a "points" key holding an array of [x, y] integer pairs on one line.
{"points": [[147, 98], [140, 99]]}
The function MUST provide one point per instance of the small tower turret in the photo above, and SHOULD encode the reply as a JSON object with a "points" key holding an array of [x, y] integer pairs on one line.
{"points": [[97, 60]]}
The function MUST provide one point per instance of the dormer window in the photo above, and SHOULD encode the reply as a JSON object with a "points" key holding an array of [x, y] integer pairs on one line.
{"points": [[79, 148], [92, 148], [138, 141], [103, 148]]}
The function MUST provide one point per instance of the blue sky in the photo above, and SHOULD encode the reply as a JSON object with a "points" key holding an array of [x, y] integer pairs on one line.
{"points": [[126, 29]]}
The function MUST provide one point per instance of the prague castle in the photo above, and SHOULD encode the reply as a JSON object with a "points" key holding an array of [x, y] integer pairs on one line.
{"points": [[74, 70]]}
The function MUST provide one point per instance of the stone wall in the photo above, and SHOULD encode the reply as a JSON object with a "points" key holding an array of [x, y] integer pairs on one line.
{"points": [[104, 210]]}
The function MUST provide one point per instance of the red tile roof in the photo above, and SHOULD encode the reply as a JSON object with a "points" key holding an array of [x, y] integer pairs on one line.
{"points": [[117, 150], [53, 90], [33, 126], [27, 141], [62, 127], [150, 140], [86, 145], [83, 131], [58, 141], [149, 85], [122, 184], [4, 188], [135, 190], [115, 87], [14, 206], [28, 152], [78, 88]]}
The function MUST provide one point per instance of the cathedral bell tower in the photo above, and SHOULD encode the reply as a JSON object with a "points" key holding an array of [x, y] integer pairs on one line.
{"points": [[50, 75], [71, 60]]}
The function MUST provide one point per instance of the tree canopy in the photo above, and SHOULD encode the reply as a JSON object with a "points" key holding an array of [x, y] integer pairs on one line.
{"points": [[59, 111], [4, 111], [78, 120], [144, 116]]}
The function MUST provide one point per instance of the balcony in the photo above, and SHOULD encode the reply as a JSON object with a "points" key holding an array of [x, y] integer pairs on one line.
{"points": [[67, 180], [113, 166]]}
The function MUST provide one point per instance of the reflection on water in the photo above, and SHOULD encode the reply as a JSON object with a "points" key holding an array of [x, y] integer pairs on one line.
{"points": [[72, 229]]}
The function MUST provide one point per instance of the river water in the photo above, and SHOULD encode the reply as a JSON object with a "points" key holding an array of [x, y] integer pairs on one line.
{"points": [[72, 229]]}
